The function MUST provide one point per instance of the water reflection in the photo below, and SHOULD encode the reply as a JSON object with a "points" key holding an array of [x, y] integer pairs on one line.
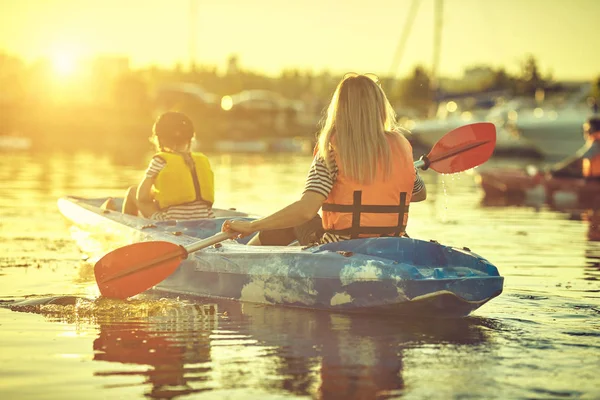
{"points": [[590, 217], [178, 356], [316, 353], [189, 347]]}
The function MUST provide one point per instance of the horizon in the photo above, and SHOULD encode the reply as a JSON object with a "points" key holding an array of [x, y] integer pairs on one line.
{"points": [[499, 35]]}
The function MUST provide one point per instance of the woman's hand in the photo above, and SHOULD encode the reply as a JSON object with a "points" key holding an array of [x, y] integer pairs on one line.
{"points": [[244, 228]]}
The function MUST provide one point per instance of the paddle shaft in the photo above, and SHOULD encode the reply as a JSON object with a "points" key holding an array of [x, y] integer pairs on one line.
{"points": [[219, 237]]}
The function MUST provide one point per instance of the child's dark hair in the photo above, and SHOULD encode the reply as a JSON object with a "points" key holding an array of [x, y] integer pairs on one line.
{"points": [[172, 129]]}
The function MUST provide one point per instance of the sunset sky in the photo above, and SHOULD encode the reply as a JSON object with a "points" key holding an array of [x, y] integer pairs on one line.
{"points": [[338, 35]]}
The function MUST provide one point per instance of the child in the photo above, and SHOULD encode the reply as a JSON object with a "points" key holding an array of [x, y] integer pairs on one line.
{"points": [[178, 184]]}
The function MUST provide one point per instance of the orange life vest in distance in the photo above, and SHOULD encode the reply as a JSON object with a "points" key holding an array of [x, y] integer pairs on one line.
{"points": [[376, 209], [591, 159]]}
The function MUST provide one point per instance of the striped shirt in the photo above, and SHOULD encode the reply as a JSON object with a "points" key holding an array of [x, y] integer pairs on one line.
{"points": [[194, 210], [320, 180]]}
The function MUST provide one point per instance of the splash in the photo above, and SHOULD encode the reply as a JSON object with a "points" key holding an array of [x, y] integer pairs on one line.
{"points": [[77, 310]]}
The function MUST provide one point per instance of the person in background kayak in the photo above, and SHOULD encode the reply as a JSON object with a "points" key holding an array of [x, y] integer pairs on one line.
{"points": [[362, 176], [586, 162], [178, 184]]}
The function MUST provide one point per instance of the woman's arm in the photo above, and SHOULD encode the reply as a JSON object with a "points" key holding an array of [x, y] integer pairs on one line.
{"points": [[145, 200], [293, 215], [419, 196], [419, 192]]}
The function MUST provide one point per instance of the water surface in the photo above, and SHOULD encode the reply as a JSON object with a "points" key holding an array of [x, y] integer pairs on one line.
{"points": [[539, 339]]}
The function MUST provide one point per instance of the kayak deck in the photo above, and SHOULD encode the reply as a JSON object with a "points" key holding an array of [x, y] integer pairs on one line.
{"points": [[373, 275]]}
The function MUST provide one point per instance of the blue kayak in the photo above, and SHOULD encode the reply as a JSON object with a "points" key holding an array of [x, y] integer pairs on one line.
{"points": [[394, 276]]}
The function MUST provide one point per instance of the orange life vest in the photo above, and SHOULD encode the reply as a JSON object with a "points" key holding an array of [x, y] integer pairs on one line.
{"points": [[376, 209], [591, 159]]}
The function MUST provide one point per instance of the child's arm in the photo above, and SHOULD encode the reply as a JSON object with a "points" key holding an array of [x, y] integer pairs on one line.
{"points": [[145, 200]]}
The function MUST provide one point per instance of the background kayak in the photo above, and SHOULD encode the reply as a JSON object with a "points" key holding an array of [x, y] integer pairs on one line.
{"points": [[530, 187]]}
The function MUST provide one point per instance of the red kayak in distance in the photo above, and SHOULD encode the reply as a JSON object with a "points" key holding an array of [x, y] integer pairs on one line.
{"points": [[519, 186]]}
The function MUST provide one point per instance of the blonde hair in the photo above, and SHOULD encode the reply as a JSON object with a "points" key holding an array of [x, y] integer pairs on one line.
{"points": [[359, 120]]}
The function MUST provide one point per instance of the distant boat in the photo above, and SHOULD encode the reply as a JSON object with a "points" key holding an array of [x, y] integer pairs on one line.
{"points": [[557, 133], [14, 143], [174, 92], [295, 145], [427, 132], [555, 126], [241, 146], [258, 99], [553, 129]]}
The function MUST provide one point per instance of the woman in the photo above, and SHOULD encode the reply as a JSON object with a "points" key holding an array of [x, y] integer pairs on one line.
{"points": [[362, 175]]}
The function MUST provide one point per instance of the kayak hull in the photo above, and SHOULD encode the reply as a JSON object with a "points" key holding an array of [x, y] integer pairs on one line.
{"points": [[394, 276]]}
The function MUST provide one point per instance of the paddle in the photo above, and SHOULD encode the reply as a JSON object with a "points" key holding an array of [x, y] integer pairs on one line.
{"points": [[130, 270], [461, 149]]}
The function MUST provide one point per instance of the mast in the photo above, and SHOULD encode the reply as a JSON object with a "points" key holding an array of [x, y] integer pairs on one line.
{"points": [[193, 33], [410, 18], [437, 47]]}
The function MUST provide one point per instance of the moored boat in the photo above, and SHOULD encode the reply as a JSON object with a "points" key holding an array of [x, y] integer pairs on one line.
{"points": [[374, 275], [529, 186]]}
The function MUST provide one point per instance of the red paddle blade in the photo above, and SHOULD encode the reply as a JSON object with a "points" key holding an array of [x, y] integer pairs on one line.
{"points": [[463, 148], [130, 270]]}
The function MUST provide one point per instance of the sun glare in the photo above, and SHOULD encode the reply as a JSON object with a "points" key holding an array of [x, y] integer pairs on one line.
{"points": [[64, 63]]}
